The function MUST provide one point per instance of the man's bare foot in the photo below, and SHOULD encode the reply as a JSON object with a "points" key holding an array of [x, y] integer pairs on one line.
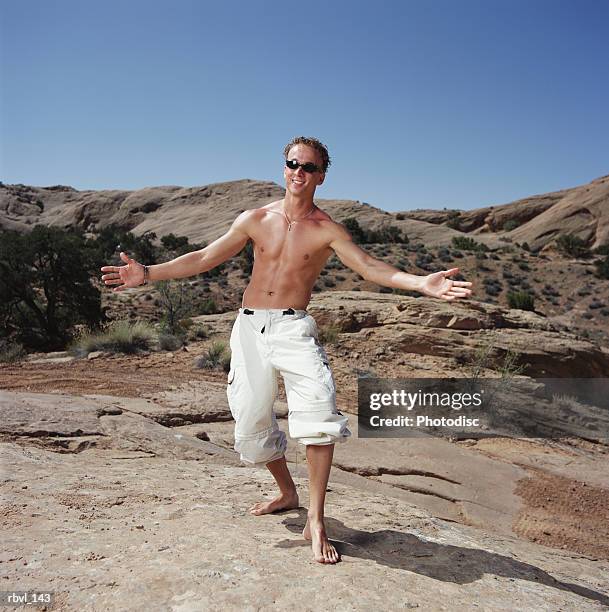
{"points": [[281, 502], [323, 551]]}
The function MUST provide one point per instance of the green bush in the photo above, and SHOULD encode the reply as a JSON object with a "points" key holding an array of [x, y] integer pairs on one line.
{"points": [[521, 300], [198, 332], [510, 224], [112, 239], [572, 246], [208, 306], [602, 267], [215, 357], [466, 243], [170, 342], [603, 249], [387, 234], [116, 337]]}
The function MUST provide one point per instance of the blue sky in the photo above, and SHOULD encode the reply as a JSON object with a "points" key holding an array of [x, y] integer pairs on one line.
{"points": [[423, 104]]}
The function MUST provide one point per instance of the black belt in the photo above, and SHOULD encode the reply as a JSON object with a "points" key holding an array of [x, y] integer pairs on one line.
{"points": [[289, 311]]}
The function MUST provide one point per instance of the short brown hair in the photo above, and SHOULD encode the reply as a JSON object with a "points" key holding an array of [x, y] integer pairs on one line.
{"points": [[315, 144]]}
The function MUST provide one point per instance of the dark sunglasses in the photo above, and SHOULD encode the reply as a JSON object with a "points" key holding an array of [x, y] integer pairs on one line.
{"points": [[309, 167]]}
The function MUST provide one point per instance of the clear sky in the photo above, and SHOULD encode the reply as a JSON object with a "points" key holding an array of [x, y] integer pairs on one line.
{"points": [[423, 104]]}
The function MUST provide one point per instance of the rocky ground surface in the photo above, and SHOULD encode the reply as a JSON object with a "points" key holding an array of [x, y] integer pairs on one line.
{"points": [[120, 489]]}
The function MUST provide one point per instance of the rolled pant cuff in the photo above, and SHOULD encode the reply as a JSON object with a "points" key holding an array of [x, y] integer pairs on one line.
{"points": [[260, 464]]}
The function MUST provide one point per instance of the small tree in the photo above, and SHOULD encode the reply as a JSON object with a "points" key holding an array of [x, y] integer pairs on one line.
{"points": [[353, 227], [45, 283], [177, 303]]}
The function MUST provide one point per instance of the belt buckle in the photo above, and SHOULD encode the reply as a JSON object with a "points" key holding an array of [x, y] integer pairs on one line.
{"points": [[289, 311]]}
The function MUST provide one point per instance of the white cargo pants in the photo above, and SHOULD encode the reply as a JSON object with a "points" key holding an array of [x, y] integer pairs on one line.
{"points": [[264, 342]]}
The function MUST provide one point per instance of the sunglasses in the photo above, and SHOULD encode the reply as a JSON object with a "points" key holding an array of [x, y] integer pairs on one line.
{"points": [[309, 167]]}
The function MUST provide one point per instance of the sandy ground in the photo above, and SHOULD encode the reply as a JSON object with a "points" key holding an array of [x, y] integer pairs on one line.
{"points": [[564, 495]]}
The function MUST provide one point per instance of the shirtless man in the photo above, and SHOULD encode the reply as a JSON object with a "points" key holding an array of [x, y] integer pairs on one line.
{"points": [[292, 240]]}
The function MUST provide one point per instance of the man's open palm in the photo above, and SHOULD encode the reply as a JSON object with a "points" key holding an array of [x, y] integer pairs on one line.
{"points": [[437, 285], [130, 275]]}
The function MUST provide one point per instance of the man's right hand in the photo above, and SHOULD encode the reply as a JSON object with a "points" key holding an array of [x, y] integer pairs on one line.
{"points": [[130, 275]]}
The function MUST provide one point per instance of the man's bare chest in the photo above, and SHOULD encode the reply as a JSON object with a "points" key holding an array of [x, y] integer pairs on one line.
{"points": [[303, 243]]}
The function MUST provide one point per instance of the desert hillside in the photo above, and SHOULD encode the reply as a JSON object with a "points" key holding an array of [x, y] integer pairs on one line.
{"points": [[514, 248]]}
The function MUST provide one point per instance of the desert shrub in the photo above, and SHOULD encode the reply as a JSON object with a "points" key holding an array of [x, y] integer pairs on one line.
{"points": [[510, 224], [215, 357], [328, 282], [208, 306], [521, 300], [492, 286], [602, 267], [388, 233], [423, 259], [172, 242], [115, 337], [523, 265], [170, 342], [11, 351], [444, 254], [550, 291], [603, 249], [572, 246], [353, 227], [400, 216], [467, 244], [329, 334], [198, 332]]}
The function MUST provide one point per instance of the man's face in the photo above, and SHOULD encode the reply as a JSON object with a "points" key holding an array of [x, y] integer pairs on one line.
{"points": [[298, 182]]}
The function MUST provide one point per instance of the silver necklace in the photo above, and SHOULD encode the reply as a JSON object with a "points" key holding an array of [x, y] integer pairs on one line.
{"points": [[290, 223]]}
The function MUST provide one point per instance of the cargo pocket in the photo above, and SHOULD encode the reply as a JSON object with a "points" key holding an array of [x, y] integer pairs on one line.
{"points": [[326, 377], [231, 389]]}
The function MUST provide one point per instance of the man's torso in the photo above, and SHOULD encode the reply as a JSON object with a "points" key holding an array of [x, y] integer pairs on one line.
{"points": [[286, 262]]}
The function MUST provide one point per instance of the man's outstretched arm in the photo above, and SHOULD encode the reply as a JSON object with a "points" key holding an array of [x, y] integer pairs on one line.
{"points": [[190, 264], [381, 273]]}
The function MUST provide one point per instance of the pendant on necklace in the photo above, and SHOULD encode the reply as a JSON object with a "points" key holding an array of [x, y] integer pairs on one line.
{"points": [[290, 226]]}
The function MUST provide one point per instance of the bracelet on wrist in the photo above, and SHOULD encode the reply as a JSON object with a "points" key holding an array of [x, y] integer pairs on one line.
{"points": [[146, 275]]}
